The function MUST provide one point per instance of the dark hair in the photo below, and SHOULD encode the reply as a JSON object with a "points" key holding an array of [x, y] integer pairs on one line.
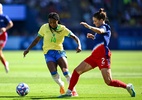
{"points": [[101, 14], [55, 16]]}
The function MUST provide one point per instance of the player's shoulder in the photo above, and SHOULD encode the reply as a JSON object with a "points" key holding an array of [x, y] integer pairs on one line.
{"points": [[105, 26], [44, 25], [3, 15], [62, 26]]}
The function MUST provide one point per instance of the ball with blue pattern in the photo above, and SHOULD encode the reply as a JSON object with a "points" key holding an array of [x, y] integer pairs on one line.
{"points": [[22, 89]]}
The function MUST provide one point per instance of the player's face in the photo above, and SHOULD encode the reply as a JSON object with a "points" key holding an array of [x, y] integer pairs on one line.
{"points": [[97, 22], [53, 23]]}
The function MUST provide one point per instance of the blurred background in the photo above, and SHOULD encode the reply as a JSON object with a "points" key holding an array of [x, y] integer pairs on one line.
{"points": [[125, 18]]}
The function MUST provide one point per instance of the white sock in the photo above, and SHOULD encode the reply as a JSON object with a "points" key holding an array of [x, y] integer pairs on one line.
{"points": [[58, 80], [68, 77]]}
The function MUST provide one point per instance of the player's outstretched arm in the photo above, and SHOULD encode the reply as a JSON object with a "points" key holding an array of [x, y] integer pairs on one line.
{"points": [[73, 36], [95, 29], [35, 41], [85, 25]]}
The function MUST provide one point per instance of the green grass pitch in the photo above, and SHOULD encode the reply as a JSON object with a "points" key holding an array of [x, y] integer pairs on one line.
{"points": [[125, 65]]}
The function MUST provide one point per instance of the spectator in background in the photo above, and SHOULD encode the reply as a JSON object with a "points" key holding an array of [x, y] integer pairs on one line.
{"points": [[82, 36], [5, 24]]}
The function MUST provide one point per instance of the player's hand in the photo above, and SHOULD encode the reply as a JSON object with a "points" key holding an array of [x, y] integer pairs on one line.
{"points": [[78, 50], [3, 29], [25, 53], [89, 35], [85, 25]]}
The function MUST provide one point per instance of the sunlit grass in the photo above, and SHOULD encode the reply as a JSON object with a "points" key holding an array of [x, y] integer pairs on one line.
{"points": [[126, 66]]}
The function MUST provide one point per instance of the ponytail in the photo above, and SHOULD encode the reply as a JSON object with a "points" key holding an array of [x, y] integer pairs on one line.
{"points": [[101, 10], [101, 14]]}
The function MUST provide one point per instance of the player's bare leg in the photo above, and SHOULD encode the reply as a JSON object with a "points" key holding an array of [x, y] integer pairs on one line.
{"points": [[106, 73], [52, 66], [64, 67], [3, 60]]}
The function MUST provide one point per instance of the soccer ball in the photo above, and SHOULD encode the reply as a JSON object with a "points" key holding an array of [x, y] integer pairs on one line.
{"points": [[22, 89]]}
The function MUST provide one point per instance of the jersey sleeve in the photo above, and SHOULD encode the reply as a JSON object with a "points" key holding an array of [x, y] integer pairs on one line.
{"points": [[40, 35], [7, 19], [67, 32], [41, 31], [106, 28], [103, 27]]}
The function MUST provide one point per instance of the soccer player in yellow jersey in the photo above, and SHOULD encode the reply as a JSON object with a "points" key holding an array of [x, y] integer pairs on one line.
{"points": [[53, 35]]}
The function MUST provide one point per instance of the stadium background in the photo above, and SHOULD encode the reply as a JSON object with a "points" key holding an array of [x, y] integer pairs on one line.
{"points": [[28, 15]]}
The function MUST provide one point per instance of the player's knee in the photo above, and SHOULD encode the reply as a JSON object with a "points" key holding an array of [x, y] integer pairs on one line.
{"points": [[64, 70], [108, 82], [79, 71]]}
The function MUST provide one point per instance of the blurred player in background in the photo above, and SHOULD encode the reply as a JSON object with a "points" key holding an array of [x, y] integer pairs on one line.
{"points": [[5, 24], [53, 35], [100, 55]]}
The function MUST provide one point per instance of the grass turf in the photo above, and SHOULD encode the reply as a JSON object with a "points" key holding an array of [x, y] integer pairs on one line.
{"points": [[125, 65]]}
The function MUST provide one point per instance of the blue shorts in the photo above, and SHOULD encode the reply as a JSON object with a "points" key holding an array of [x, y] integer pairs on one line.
{"points": [[54, 55]]}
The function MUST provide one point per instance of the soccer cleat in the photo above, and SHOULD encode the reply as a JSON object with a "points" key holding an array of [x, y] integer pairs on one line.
{"points": [[131, 90], [6, 67], [62, 90], [74, 94], [67, 94]]}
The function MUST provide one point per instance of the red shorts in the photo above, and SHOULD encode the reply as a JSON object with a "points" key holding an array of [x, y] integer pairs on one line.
{"points": [[3, 39], [98, 58]]}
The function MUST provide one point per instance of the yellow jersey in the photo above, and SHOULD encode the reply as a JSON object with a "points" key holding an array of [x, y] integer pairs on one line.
{"points": [[53, 38]]}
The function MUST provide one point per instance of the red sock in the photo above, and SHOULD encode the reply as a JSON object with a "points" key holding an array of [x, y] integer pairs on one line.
{"points": [[73, 80], [117, 83]]}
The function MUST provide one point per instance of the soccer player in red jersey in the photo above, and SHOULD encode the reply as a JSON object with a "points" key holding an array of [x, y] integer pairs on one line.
{"points": [[5, 24], [100, 55]]}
